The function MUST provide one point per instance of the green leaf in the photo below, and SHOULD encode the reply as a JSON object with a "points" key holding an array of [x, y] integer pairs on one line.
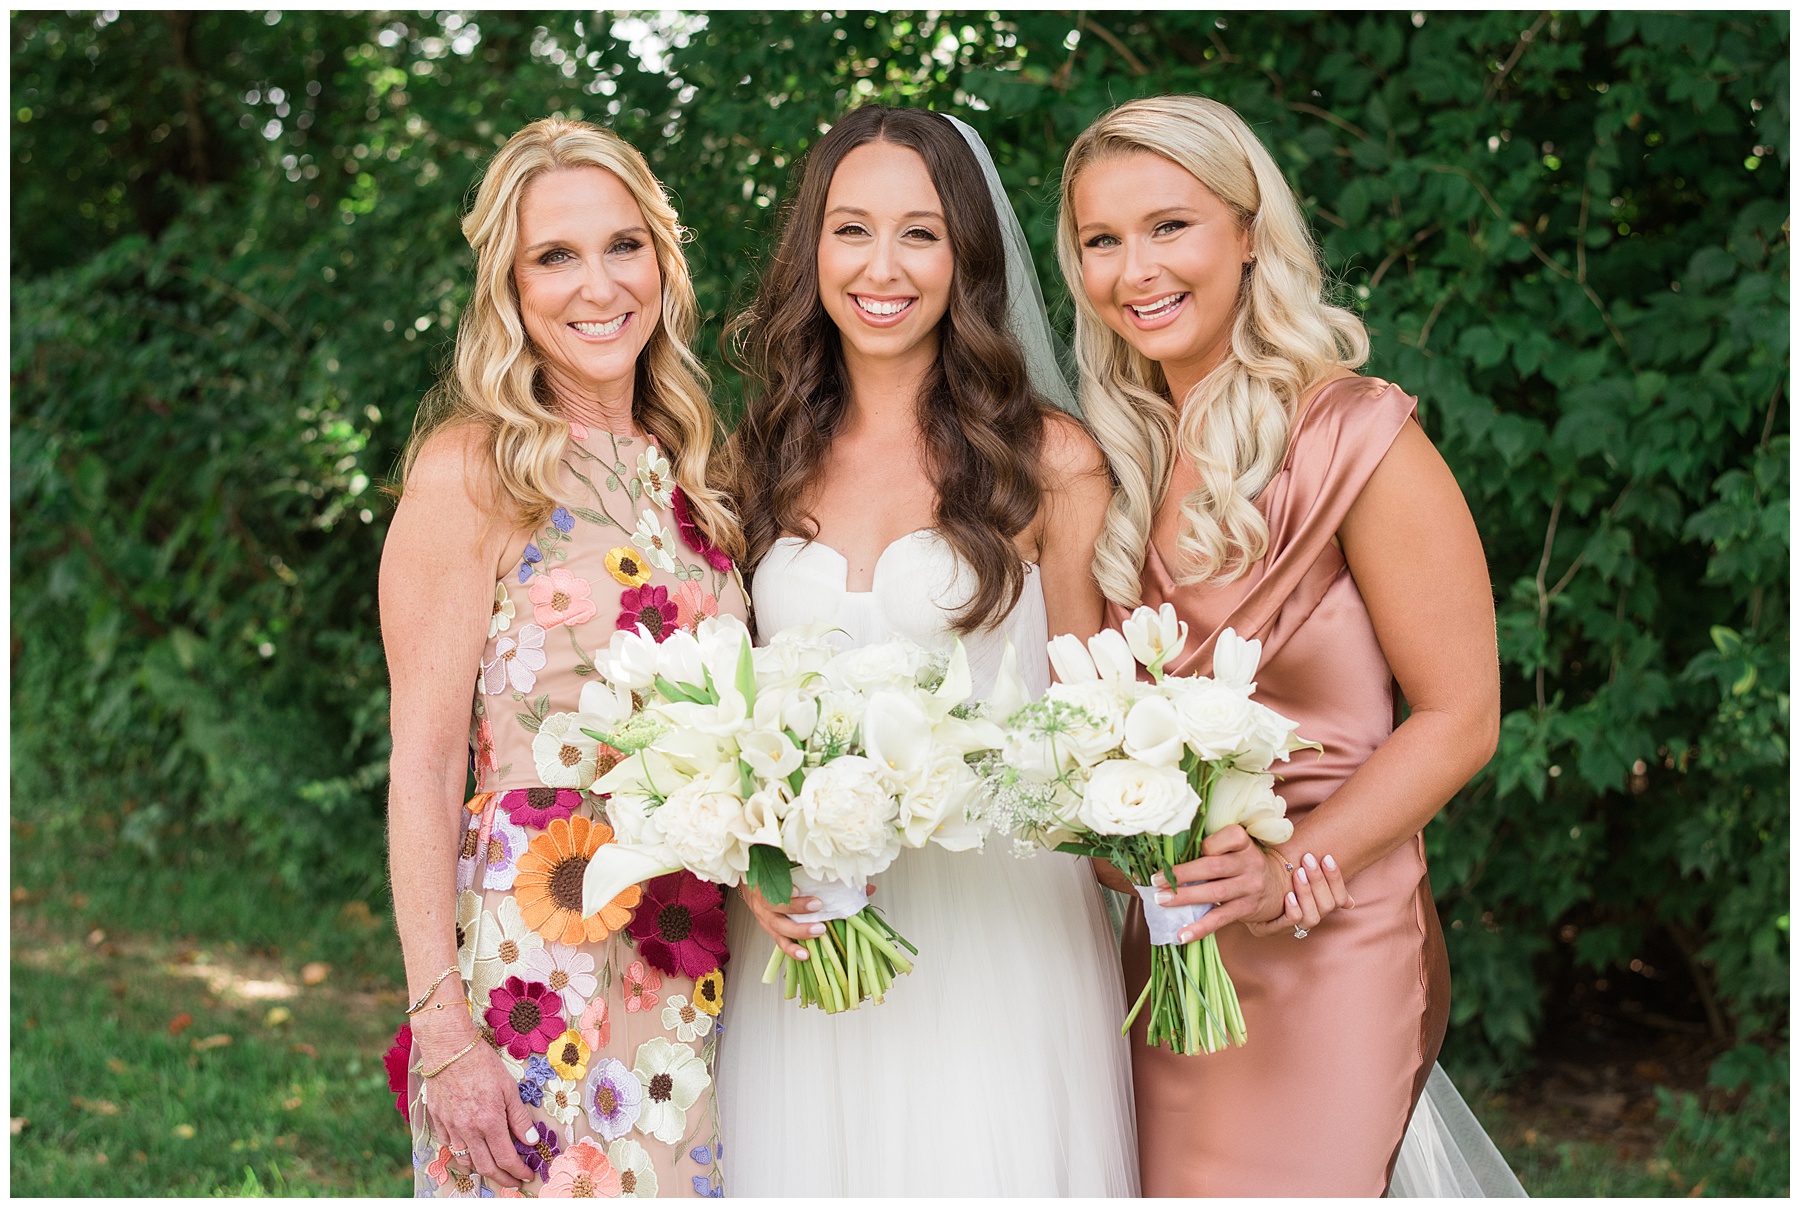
{"points": [[770, 873]]}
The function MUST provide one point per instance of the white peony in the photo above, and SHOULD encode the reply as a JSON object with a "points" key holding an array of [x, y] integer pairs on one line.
{"points": [[1249, 799], [1125, 797], [891, 664], [937, 805], [703, 824], [842, 825]]}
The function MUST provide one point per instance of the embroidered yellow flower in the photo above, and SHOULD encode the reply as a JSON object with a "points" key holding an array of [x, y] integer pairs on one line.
{"points": [[568, 1055], [709, 992], [628, 566]]}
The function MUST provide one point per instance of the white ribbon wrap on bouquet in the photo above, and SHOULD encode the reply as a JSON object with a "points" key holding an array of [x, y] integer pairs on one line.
{"points": [[1166, 922], [837, 900]]}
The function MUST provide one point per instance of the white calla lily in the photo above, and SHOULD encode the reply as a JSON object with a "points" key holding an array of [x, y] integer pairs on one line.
{"points": [[1071, 660], [1153, 733], [1009, 687], [616, 867], [897, 734], [770, 753], [1155, 636]]}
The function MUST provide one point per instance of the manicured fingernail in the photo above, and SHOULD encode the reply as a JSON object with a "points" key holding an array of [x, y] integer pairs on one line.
{"points": [[1157, 880], [531, 1135], [814, 904], [1330, 863], [1301, 873], [1186, 937], [1164, 898], [1293, 901], [1311, 863], [801, 954], [817, 929]]}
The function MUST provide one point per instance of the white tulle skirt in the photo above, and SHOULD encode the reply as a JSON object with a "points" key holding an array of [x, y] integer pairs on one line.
{"points": [[995, 1068], [1447, 1154]]}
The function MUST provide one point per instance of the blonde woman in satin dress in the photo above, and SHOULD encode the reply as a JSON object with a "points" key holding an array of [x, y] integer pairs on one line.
{"points": [[1262, 485]]}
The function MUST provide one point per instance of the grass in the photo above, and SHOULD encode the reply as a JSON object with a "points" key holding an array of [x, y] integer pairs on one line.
{"points": [[165, 1039], [169, 1038]]}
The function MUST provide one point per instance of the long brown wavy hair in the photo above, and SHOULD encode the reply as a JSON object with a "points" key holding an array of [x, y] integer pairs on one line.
{"points": [[982, 423]]}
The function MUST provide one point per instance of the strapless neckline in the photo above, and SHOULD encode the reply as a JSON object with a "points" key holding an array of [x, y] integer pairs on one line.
{"points": [[803, 544]]}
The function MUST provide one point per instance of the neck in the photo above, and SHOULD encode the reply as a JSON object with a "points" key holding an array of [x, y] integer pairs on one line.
{"points": [[1189, 372], [604, 405], [883, 393]]}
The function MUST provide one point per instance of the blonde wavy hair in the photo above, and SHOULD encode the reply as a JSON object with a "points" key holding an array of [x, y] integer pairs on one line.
{"points": [[496, 378], [1235, 423]]}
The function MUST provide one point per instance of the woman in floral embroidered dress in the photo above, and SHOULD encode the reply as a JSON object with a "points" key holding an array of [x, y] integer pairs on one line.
{"points": [[556, 491]]}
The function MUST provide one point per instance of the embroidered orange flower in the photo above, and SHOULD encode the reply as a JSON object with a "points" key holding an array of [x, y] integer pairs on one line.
{"points": [[548, 887]]}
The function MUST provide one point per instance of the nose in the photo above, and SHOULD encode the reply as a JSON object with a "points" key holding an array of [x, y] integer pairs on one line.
{"points": [[1140, 263], [598, 289], [884, 260]]}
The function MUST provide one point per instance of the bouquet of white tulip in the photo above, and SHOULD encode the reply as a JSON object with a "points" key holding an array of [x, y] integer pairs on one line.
{"points": [[1138, 773], [790, 765]]}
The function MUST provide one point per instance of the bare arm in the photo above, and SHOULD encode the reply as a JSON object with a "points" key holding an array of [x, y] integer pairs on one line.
{"points": [[437, 582], [1413, 550], [1077, 489]]}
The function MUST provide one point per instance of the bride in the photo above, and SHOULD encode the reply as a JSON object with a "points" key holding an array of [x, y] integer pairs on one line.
{"points": [[902, 472]]}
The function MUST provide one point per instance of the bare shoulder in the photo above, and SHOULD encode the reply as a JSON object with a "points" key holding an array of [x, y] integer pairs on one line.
{"points": [[1069, 450], [454, 468]]}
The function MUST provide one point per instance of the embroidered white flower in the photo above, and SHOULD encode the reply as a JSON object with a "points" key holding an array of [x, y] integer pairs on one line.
{"points": [[502, 943], [565, 757], [500, 859], [683, 1018], [637, 1173], [562, 1099], [568, 971], [656, 541], [657, 480], [468, 915], [502, 617], [515, 662], [674, 1079]]}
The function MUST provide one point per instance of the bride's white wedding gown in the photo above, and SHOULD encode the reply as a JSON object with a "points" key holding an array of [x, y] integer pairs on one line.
{"points": [[994, 1068]]}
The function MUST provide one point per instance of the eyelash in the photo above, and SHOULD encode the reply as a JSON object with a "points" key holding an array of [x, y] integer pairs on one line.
{"points": [[1165, 227], [856, 228], [556, 254]]}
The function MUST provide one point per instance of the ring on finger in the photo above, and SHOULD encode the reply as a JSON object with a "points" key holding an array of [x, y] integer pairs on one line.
{"points": [[1300, 932], [458, 1153]]}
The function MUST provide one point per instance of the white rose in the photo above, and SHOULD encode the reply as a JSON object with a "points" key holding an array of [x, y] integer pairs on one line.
{"points": [[793, 656], [890, 664], [1271, 737], [633, 818], [704, 825], [1153, 733], [842, 825], [1248, 799], [1125, 797], [1216, 720], [1105, 726]]}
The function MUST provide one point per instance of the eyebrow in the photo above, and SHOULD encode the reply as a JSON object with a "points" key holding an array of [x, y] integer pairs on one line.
{"points": [[858, 212], [548, 243], [1152, 216]]}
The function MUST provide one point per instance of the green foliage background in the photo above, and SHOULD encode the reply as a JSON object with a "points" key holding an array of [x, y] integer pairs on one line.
{"points": [[236, 267]]}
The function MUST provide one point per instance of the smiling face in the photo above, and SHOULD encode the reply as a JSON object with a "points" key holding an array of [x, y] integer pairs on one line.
{"points": [[590, 292], [1162, 260], [885, 264]]}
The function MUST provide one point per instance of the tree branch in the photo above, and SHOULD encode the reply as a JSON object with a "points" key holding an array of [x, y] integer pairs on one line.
{"points": [[1107, 36], [1415, 241], [1341, 123], [1525, 39]]}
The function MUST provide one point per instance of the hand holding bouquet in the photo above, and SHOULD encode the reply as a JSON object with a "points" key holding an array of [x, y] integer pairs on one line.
{"points": [[1139, 774], [788, 766]]}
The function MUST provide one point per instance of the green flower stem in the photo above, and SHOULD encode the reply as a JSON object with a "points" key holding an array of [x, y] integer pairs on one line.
{"points": [[774, 968]]}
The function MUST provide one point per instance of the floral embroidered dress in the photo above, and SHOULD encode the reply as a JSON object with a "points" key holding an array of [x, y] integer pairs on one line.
{"points": [[609, 1023]]}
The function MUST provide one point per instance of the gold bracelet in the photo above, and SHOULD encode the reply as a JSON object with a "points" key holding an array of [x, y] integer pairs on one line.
{"points": [[439, 1006], [440, 1069], [424, 998]]}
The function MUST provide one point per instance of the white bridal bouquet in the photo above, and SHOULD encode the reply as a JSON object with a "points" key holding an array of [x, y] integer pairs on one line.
{"points": [[787, 766], [1138, 773]]}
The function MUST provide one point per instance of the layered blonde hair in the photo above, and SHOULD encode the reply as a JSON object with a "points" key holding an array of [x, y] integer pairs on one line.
{"points": [[497, 378], [1235, 423]]}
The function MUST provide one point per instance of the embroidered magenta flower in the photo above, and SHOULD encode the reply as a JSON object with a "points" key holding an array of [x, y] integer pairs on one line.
{"points": [[650, 607], [695, 604], [397, 1059], [537, 808], [558, 597], [526, 1017], [639, 986], [680, 927], [696, 540]]}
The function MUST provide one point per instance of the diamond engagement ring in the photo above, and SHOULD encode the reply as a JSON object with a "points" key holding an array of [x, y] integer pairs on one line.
{"points": [[1299, 932], [459, 1153]]}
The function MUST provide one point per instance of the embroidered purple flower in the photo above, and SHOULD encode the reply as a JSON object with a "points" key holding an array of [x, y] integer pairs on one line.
{"points": [[702, 1155], [650, 607], [696, 540], [680, 927], [561, 521], [703, 1187], [615, 1098], [527, 564], [531, 1092], [537, 1068], [526, 1017], [538, 1156], [537, 808]]}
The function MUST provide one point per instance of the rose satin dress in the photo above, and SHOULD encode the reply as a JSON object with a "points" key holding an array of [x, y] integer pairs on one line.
{"points": [[609, 1023], [1344, 1026]]}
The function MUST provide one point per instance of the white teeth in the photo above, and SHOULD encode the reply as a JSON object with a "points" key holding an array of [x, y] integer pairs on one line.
{"points": [[601, 329], [1161, 308], [883, 308]]}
